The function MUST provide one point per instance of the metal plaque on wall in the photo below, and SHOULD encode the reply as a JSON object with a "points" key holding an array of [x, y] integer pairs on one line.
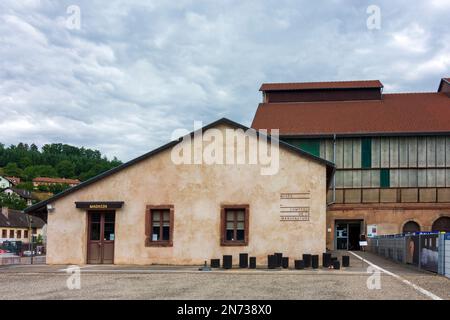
{"points": [[294, 206]]}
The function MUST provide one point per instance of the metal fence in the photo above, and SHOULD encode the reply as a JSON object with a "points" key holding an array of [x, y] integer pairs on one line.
{"points": [[425, 250]]}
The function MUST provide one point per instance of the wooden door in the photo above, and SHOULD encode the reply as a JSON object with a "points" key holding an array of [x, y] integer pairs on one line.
{"points": [[101, 237]]}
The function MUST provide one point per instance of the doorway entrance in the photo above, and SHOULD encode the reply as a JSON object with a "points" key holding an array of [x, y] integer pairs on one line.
{"points": [[101, 225], [347, 234]]}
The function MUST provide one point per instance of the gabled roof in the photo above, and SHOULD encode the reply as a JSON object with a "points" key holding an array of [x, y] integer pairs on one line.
{"points": [[18, 219], [321, 85], [403, 113], [40, 205]]}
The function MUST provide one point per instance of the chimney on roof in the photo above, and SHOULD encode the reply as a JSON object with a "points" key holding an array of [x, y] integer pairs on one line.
{"points": [[5, 212]]}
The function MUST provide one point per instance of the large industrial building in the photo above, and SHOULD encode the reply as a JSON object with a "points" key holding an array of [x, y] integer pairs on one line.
{"points": [[391, 151]]}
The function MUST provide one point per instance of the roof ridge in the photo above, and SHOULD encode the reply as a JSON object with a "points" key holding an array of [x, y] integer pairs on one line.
{"points": [[333, 81]]}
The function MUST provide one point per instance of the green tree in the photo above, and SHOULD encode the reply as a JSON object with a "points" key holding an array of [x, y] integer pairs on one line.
{"points": [[12, 169], [39, 239], [25, 162], [28, 185], [12, 201], [57, 188], [43, 188], [32, 172], [65, 169]]}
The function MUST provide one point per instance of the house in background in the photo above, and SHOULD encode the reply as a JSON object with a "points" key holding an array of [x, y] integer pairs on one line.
{"points": [[14, 180], [26, 195], [5, 183], [45, 181], [391, 151], [18, 226]]}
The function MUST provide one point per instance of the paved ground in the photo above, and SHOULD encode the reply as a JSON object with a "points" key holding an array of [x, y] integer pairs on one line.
{"points": [[161, 282]]}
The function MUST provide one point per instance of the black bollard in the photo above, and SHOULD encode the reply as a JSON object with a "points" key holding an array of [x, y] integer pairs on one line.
{"points": [[252, 262], [307, 260], [299, 264], [346, 261], [315, 261], [279, 258], [243, 260], [326, 260], [285, 262], [227, 262], [215, 263], [336, 265]]}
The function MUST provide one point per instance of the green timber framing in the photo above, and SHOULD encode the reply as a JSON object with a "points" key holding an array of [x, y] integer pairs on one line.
{"points": [[40, 209], [380, 161]]}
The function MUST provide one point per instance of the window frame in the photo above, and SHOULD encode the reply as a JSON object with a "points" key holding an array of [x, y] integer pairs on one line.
{"points": [[149, 226], [223, 224], [19, 234], [25, 234]]}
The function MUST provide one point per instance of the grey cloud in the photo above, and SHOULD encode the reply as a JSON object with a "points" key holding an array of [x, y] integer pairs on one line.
{"points": [[137, 70]]}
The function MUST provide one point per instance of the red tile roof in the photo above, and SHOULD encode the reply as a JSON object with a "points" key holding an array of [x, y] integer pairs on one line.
{"points": [[56, 180], [395, 113], [321, 85]]}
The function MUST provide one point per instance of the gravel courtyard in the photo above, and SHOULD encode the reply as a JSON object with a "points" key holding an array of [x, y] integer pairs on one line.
{"points": [[159, 282]]}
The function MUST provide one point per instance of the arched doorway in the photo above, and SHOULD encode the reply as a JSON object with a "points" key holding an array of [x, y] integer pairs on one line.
{"points": [[441, 224], [410, 227]]}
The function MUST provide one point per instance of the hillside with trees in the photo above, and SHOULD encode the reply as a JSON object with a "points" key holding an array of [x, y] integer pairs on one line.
{"points": [[54, 160]]}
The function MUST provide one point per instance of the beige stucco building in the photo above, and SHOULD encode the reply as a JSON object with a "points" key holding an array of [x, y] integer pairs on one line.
{"points": [[154, 211]]}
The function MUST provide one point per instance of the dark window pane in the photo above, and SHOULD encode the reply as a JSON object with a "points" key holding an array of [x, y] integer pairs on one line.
{"points": [[95, 231], [109, 231], [240, 235], [229, 235], [166, 233], [11, 233], [311, 146], [366, 152], [95, 217], [384, 178], [155, 234], [109, 217]]}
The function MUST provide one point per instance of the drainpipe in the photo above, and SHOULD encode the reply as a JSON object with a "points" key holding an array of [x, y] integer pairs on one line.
{"points": [[334, 161]]}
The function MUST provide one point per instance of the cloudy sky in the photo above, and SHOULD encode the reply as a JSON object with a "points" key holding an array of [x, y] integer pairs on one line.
{"points": [[136, 70]]}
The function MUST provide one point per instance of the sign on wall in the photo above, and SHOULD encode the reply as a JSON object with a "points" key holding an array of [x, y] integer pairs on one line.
{"points": [[294, 206], [98, 205], [372, 230]]}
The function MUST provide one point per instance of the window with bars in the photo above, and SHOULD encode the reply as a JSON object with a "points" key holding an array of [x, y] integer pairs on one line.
{"points": [[159, 226], [235, 225]]}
